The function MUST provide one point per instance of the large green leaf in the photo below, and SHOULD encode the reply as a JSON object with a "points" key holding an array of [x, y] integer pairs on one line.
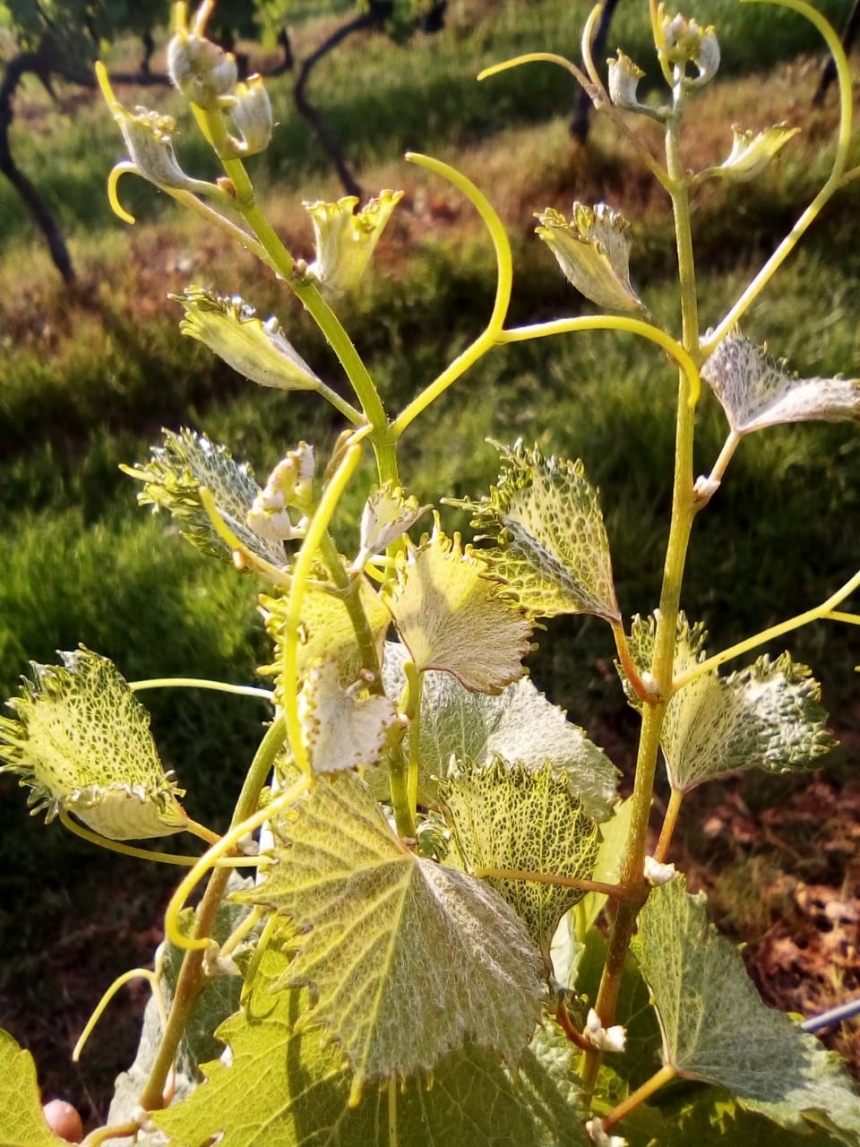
{"points": [[510, 816], [409, 959], [172, 479], [551, 548], [21, 1120], [519, 725], [285, 1085], [765, 716], [80, 741], [452, 616], [716, 1028]]}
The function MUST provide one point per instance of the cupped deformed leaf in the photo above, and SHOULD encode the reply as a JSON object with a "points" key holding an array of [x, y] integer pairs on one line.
{"points": [[453, 618], [21, 1121], [285, 1085], [326, 632], [80, 741], [514, 817], [752, 152], [341, 728], [386, 516], [172, 479], [551, 548], [408, 959], [519, 725], [593, 251], [765, 716], [756, 392], [232, 330], [716, 1028]]}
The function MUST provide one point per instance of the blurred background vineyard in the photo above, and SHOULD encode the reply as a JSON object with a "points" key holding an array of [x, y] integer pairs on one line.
{"points": [[91, 370]]}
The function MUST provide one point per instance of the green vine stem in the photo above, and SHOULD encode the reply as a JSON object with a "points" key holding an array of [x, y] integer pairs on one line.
{"points": [[307, 555], [504, 281], [834, 181], [615, 891], [669, 822], [191, 976], [684, 508], [202, 683], [650, 1087], [826, 611]]}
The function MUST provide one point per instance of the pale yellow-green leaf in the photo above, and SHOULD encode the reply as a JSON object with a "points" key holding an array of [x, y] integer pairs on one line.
{"points": [[452, 618], [172, 479], [511, 816], [285, 1085], [519, 724], [326, 632], [386, 516], [716, 1028], [21, 1121], [408, 959], [551, 548], [341, 729], [258, 350], [755, 392], [766, 716], [80, 741], [345, 239], [593, 251], [752, 152]]}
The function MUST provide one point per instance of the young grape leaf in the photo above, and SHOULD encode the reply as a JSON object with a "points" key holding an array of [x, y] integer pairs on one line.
{"points": [[21, 1121], [518, 724], [326, 631], [452, 617], [593, 251], [712, 1119], [755, 392], [716, 1028], [172, 479], [511, 816], [765, 716], [408, 959], [285, 1085], [80, 741], [341, 730], [551, 548]]}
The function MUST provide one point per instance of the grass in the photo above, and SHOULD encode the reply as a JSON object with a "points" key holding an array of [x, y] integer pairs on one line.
{"points": [[89, 378]]}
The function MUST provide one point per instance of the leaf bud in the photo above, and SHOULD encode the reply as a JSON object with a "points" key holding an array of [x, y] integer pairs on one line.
{"points": [[604, 1039], [750, 153], [593, 251], [657, 873], [684, 41], [251, 117], [230, 328], [345, 240], [602, 1138], [624, 77], [202, 71]]}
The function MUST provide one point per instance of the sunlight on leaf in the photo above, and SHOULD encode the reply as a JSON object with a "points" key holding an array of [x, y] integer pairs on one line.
{"points": [[408, 959], [21, 1121], [551, 548], [326, 632], [752, 152], [80, 740], [755, 393], [593, 251], [511, 816], [518, 725], [172, 479], [716, 1028], [452, 617], [766, 716], [341, 730], [285, 1085]]}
